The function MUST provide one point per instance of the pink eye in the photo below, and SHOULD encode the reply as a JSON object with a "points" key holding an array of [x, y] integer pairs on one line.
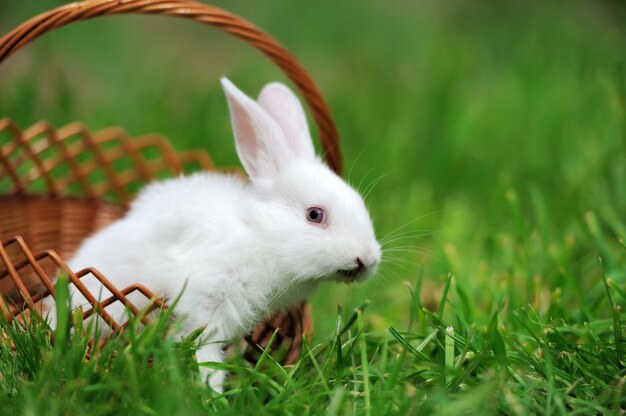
{"points": [[315, 215]]}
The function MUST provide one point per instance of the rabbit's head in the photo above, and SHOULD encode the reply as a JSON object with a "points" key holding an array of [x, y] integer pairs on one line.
{"points": [[315, 224]]}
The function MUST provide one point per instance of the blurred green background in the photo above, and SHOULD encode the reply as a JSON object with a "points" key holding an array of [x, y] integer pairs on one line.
{"points": [[492, 134]]}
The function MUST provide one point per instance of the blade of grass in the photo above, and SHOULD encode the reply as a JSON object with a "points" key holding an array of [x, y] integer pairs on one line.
{"points": [[320, 374], [62, 331], [364, 364], [449, 353], [444, 296]]}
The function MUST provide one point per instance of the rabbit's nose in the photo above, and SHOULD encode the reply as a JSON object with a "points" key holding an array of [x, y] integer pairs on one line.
{"points": [[360, 265]]}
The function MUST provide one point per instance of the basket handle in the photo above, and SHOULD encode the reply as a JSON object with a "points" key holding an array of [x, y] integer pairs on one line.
{"points": [[201, 13]]}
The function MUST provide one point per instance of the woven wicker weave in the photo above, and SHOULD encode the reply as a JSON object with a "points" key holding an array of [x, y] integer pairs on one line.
{"points": [[61, 185]]}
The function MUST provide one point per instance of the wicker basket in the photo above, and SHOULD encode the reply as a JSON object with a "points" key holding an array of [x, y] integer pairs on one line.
{"points": [[64, 184]]}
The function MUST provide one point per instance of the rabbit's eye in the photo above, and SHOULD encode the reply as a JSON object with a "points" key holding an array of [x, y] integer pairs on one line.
{"points": [[315, 215]]}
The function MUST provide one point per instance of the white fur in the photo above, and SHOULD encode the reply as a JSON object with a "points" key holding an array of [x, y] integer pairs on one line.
{"points": [[241, 248]]}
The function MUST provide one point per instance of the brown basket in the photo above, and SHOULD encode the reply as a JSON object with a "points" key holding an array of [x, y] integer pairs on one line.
{"points": [[63, 185]]}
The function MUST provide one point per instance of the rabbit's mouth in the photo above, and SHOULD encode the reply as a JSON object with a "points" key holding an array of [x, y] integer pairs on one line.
{"points": [[360, 272], [350, 274], [353, 274]]}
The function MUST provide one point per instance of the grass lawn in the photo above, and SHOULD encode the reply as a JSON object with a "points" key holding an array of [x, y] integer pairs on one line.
{"points": [[490, 139]]}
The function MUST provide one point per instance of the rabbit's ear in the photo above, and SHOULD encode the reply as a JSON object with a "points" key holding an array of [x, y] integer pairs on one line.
{"points": [[283, 105], [261, 143]]}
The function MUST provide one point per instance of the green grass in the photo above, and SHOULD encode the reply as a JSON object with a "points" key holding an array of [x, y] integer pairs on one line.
{"points": [[492, 140]]}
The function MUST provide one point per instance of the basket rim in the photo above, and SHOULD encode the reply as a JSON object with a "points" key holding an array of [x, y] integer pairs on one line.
{"points": [[201, 13]]}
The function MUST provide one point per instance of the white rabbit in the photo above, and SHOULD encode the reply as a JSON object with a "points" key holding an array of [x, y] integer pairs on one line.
{"points": [[241, 248]]}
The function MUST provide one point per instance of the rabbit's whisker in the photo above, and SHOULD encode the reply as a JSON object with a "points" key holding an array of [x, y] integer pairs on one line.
{"points": [[361, 153], [406, 235], [366, 176], [412, 222]]}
